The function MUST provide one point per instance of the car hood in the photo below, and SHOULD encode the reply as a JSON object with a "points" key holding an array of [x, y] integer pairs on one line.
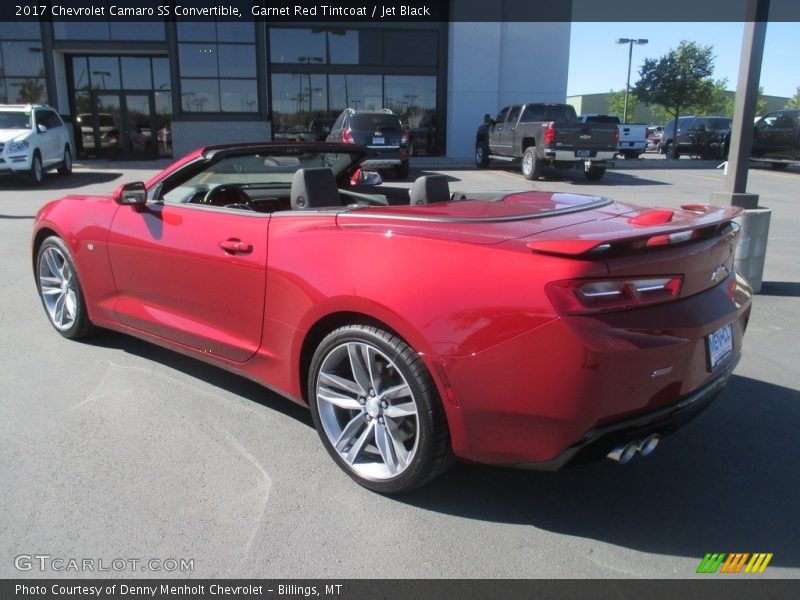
{"points": [[10, 135], [484, 221]]}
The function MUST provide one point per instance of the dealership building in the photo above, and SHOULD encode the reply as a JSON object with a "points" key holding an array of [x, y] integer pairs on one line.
{"points": [[161, 88]]}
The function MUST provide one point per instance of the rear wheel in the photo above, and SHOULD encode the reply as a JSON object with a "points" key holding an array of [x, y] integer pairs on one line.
{"points": [[401, 172], [631, 154], [376, 410], [36, 174], [671, 152], [531, 166], [60, 289], [595, 173], [66, 165], [481, 154]]}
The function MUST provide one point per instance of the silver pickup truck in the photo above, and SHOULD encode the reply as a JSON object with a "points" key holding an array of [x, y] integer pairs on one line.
{"points": [[546, 135], [632, 137]]}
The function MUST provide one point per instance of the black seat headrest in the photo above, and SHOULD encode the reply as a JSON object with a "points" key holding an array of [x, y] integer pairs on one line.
{"points": [[430, 188], [314, 188]]}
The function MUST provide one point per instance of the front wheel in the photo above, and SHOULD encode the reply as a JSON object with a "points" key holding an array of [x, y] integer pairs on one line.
{"points": [[36, 174], [376, 410], [481, 154], [60, 289], [531, 166]]}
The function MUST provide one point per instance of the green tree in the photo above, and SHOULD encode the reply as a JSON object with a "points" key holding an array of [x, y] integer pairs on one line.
{"points": [[794, 101], [717, 102], [616, 104], [679, 79]]}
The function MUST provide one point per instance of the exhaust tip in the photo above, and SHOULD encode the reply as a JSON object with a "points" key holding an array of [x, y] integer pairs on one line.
{"points": [[648, 444], [624, 453]]}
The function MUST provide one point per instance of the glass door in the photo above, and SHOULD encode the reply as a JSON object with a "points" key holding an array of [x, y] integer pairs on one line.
{"points": [[140, 128], [123, 124]]}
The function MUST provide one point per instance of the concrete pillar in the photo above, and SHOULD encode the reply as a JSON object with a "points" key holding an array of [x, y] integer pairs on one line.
{"points": [[749, 260]]}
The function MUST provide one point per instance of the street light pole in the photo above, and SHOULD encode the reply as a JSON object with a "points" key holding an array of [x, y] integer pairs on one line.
{"points": [[630, 42]]}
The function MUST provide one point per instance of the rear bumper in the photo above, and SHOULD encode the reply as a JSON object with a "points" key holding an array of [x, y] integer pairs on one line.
{"points": [[569, 156], [545, 395], [598, 442]]}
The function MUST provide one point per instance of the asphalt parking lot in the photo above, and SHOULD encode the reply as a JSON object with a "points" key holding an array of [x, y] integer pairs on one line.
{"points": [[114, 448]]}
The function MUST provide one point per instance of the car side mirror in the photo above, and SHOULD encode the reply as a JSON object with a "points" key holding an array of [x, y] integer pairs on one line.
{"points": [[131, 194], [41, 129], [487, 119]]}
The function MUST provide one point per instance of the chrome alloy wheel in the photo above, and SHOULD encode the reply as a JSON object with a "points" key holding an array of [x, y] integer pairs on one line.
{"points": [[527, 163], [58, 288], [367, 410]]}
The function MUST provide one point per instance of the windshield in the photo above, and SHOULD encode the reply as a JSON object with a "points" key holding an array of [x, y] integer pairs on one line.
{"points": [[15, 120], [254, 170]]}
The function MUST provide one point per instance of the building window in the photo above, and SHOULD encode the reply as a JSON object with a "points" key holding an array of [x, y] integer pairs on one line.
{"points": [[217, 63], [21, 64], [318, 72]]}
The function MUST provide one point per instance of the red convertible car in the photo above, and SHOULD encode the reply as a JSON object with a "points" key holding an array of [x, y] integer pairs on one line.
{"points": [[529, 329]]}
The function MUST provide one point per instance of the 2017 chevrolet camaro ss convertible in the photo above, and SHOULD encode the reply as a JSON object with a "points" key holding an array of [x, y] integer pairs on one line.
{"points": [[529, 329]]}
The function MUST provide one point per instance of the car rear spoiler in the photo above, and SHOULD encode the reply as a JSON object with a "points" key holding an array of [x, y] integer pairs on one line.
{"points": [[647, 229]]}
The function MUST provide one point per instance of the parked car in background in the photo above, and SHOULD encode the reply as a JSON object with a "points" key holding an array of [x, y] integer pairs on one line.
{"points": [[530, 329], [546, 135], [33, 139], [381, 132], [632, 136], [776, 138], [654, 133], [704, 137]]}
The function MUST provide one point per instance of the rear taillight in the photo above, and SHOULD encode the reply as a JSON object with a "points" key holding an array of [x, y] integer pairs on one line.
{"points": [[550, 134], [347, 137], [404, 137], [616, 137], [581, 296]]}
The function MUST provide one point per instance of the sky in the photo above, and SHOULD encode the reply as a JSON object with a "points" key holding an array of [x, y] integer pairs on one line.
{"points": [[597, 64]]}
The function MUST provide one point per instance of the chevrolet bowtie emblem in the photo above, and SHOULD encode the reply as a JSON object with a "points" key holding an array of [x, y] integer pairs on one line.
{"points": [[719, 272]]}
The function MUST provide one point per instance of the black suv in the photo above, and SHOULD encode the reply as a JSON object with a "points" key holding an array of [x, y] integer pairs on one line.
{"points": [[381, 132], [776, 138], [706, 137]]}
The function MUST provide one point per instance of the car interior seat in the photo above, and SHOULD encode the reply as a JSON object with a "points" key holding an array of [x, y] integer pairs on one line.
{"points": [[430, 188], [314, 188]]}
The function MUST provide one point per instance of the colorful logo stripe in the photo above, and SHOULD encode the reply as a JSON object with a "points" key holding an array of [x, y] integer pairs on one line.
{"points": [[734, 562]]}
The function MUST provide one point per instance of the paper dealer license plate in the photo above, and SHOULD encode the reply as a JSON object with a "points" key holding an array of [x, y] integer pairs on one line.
{"points": [[720, 345]]}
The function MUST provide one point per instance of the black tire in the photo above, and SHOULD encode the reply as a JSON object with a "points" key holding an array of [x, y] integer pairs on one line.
{"points": [[66, 165], [426, 431], [52, 258], [595, 173], [631, 154], [671, 152], [779, 166], [36, 174], [482, 154], [531, 165], [401, 172]]}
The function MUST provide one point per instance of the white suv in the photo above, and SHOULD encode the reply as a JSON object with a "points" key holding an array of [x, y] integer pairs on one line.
{"points": [[33, 138]]}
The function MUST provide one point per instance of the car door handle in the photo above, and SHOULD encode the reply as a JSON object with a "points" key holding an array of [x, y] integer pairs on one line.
{"points": [[236, 246]]}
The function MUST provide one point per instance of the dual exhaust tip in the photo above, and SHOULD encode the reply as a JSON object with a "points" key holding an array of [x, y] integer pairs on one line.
{"points": [[625, 452]]}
